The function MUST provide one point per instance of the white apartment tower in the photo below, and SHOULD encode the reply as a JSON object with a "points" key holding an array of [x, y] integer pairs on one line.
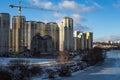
{"points": [[66, 34]]}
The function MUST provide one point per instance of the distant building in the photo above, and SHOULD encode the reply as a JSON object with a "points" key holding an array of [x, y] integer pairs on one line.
{"points": [[52, 30], [89, 40], [81, 41], [10, 39], [76, 42], [4, 32], [66, 34], [41, 44], [17, 33]]}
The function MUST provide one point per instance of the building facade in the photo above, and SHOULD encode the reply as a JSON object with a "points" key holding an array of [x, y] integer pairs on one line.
{"points": [[29, 32], [52, 30], [41, 28], [66, 34], [31, 28], [41, 44], [4, 32]]}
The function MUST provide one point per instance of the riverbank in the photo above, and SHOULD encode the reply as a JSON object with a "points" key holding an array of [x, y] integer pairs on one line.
{"points": [[67, 67], [109, 70]]}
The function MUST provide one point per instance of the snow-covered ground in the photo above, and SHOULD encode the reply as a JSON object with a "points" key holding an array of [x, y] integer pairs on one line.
{"points": [[5, 61], [110, 70]]}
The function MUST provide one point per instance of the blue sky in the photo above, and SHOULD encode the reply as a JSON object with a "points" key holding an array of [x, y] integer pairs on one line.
{"points": [[100, 16]]}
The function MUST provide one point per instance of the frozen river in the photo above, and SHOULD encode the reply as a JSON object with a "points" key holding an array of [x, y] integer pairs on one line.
{"points": [[110, 70]]}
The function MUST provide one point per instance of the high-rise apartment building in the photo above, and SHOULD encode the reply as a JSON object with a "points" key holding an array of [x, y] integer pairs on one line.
{"points": [[81, 41], [66, 34], [31, 28], [4, 32], [89, 40], [29, 31], [52, 30], [17, 33], [76, 42]]}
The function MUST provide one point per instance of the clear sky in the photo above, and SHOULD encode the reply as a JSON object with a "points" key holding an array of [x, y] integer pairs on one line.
{"points": [[100, 16]]}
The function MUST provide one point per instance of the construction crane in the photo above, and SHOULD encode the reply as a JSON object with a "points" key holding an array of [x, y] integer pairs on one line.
{"points": [[19, 8]]}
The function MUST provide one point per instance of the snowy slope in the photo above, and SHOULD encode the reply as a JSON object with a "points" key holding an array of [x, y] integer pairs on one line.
{"points": [[5, 61]]}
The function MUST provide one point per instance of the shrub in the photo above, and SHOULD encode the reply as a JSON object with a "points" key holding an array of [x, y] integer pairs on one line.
{"points": [[35, 70], [22, 71], [64, 71], [94, 56], [5, 75], [51, 73]]}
